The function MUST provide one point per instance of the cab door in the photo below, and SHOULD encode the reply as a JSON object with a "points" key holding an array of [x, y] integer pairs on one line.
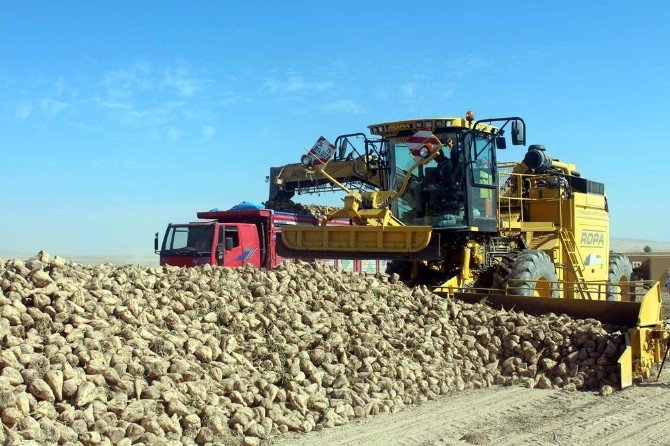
{"points": [[228, 246], [483, 183], [237, 245]]}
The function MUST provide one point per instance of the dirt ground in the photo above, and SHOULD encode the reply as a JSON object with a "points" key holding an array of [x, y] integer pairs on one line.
{"points": [[512, 416]]}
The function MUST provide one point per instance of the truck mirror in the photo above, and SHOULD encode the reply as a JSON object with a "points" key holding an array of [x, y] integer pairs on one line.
{"points": [[156, 242], [501, 142], [229, 243], [518, 133]]}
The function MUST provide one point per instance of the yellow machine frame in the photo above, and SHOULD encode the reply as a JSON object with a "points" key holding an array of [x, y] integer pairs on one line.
{"points": [[572, 227], [549, 217]]}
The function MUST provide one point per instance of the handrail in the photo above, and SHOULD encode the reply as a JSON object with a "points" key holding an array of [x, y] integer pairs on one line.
{"points": [[511, 193], [599, 289]]}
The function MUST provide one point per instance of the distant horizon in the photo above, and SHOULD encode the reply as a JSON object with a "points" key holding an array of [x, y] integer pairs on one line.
{"points": [[619, 244]]}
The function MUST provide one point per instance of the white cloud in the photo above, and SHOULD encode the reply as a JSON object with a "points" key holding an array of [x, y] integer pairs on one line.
{"points": [[126, 82], [339, 64], [175, 104], [228, 102], [83, 126], [463, 66], [51, 107], [113, 105], [23, 111], [408, 89], [343, 105], [148, 117], [144, 95], [180, 79], [173, 134], [295, 83], [208, 131]]}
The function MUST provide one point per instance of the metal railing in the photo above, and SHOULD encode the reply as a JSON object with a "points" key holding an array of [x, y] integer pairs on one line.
{"points": [[631, 291], [512, 204]]}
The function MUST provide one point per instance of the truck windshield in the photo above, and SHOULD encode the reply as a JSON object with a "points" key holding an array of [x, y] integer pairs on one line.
{"points": [[188, 240], [434, 195]]}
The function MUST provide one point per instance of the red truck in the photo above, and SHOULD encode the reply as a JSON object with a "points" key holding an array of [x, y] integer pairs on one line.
{"points": [[240, 237]]}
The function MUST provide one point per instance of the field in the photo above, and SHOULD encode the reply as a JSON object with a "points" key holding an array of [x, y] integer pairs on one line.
{"points": [[100, 353]]}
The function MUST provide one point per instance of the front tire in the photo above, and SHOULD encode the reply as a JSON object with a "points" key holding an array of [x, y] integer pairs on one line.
{"points": [[620, 273], [532, 273]]}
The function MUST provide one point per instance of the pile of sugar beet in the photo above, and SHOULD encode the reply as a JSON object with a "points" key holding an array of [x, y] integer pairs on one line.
{"points": [[126, 355], [287, 205]]}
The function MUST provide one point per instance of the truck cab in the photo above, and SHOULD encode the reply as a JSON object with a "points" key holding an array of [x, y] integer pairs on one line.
{"points": [[237, 238], [211, 242]]}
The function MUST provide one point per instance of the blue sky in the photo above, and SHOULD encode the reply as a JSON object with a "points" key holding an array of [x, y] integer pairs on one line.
{"points": [[118, 117]]}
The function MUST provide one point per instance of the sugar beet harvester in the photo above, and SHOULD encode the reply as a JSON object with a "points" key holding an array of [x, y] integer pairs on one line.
{"points": [[429, 195]]}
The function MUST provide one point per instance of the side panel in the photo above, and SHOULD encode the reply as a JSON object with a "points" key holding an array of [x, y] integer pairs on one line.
{"points": [[584, 216], [591, 230], [184, 261], [281, 220]]}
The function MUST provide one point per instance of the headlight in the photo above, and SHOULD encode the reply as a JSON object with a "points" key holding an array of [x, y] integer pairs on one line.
{"points": [[424, 152], [306, 161]]}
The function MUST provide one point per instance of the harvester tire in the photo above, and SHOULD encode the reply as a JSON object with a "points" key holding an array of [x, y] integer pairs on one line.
{"points": [[532, 273], [620, 273]]}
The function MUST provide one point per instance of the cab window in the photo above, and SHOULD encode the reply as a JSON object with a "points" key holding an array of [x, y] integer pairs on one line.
{"points": [[482, 164], [229, 232], [189, 238], [482, 161]]}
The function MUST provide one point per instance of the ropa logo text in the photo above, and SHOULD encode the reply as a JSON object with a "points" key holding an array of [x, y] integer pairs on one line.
{"points": [[592, 238]]}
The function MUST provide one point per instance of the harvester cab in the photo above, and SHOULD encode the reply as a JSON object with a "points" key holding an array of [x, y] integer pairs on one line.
{"points": [[455, 190], [425, 202]]}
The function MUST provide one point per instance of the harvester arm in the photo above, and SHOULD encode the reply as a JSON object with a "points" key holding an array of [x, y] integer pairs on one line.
{"points": [[374, 229], [286, 180], [356, 161], [372, 208]]}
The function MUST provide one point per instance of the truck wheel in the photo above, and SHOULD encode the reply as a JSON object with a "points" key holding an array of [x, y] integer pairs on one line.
{"points": [[620, 273], [533, 274], [402, 268]]}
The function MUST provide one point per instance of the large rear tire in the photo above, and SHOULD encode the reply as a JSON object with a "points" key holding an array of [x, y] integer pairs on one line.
{"points": [[532, 273], [620, 273]]}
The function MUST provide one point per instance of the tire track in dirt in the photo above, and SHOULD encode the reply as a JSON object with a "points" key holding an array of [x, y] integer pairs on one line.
{"points": [[513, 416], [418, 425], [638, 415]]}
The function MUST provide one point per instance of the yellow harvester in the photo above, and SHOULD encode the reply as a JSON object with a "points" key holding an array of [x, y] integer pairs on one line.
{"points": [[430, 196]]}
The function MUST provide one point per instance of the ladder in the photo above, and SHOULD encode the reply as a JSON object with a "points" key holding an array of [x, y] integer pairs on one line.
{"points": [[574, 262]]}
